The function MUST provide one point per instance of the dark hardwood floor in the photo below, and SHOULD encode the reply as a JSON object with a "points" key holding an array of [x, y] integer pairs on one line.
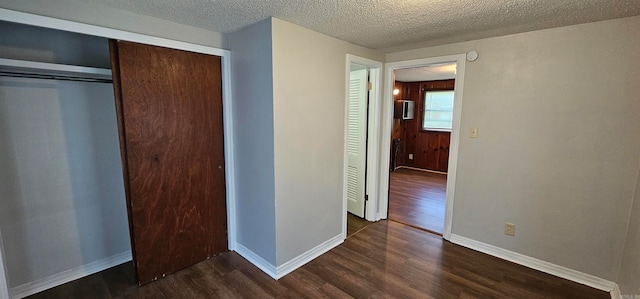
{"points": [[384, 260], [355, 224], [417, 198]]}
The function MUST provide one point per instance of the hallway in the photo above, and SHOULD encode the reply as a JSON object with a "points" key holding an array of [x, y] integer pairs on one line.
{"points": [[417, 198]]}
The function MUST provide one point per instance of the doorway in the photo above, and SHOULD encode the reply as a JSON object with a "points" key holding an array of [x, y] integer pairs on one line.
{"points": [[450, 155], [362, 98], [420, 138]]}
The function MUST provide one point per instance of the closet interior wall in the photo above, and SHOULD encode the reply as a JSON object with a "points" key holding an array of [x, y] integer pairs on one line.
{"points": [[62, 202]]}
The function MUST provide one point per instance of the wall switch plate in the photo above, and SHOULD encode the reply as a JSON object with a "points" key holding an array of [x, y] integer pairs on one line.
{"points": [[410, 156], [473, 133], [509, 229]]}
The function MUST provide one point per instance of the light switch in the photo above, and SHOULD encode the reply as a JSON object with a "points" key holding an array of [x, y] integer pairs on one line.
{"points": [[410, 156], [473, 133]]}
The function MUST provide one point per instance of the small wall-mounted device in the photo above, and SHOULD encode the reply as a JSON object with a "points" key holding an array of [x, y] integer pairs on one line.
{"points": [[403, 109], [472, 56]]}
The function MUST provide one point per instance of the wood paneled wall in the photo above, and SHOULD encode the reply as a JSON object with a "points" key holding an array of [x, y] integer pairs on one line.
{"points": [[430, 149]]}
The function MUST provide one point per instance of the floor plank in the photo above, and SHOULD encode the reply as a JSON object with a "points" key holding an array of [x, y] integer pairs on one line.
{"points": [[355, 224], [385, 259], [417, 198]]}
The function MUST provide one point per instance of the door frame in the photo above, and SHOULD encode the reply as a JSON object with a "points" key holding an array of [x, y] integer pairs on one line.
{"points": [[227, 115], [361, 74], [387, 120], [373, 124]]}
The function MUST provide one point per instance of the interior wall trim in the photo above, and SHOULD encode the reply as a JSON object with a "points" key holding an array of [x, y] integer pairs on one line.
{"points": [[71, 26], [55, 280], [616, 293], [374, 130], [421, 169], [4, 282], [308, 256], [293, 264], [256, 260], [533, 263], [456, 136]]}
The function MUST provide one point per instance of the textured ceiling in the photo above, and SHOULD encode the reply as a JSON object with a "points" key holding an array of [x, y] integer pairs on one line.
{"points": [[386, 24]]}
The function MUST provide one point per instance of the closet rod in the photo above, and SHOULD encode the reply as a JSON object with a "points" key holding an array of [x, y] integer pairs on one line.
{"points": [[53, 77]]}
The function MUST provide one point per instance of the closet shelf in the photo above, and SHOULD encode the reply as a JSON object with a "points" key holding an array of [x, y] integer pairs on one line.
{"points": [[53, 70]]}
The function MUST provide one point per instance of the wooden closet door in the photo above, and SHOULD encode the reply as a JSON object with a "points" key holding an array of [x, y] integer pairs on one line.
{"points": [[169, 105]]}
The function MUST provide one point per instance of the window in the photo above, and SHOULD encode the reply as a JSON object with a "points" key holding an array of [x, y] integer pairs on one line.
{"points": [[438, 110]]}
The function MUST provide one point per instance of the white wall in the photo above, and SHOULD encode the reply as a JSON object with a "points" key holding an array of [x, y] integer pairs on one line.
{"points": [[24, 42], [100, 15], [559, 137], [62, 203], [629, 279], [309, 125], [289, 93], [253, 114]]}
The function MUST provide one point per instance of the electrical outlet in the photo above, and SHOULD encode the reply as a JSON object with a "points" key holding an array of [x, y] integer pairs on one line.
{"points": [[509, 229], [410, 156]]}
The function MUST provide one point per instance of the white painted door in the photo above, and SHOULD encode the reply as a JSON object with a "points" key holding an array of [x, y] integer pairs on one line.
{"points": [[357, 142]]}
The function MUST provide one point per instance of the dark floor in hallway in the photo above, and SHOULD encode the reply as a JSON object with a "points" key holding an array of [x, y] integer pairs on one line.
{"points": [[355, 224], [417, 198]]}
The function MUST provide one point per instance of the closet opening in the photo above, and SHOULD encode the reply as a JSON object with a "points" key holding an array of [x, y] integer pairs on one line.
{"points": [[62, 203], [67, 208]]}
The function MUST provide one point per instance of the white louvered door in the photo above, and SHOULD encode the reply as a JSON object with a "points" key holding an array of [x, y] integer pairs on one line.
{"points": [[357, 142]]}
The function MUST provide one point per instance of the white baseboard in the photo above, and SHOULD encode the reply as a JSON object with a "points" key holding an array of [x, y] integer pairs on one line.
{"points": [[256, 260], [533, 263], [4, 283], [420, 169], [55, 280], [615, 293], [288, 267], [378, 217], [308, 256]]}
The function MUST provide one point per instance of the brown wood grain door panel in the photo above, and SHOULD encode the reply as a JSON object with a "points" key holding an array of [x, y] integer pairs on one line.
{"points": [[170, 116]]}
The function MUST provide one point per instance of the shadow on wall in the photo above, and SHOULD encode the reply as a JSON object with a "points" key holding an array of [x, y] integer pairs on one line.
{"points": [[12, 216], [63, 203], [95, 170]]}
